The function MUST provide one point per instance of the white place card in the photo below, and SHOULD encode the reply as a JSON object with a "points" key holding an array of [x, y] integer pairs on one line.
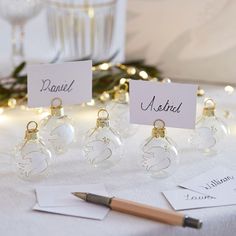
{"points": [[216, 182], [183, 199], [61, 195], [70, 81], [59, 200], [173, 103]]}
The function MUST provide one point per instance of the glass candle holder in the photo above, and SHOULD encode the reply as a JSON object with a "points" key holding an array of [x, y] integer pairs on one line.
{"points": [[84, 28]]}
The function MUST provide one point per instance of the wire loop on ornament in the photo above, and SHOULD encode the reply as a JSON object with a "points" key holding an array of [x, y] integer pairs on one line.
{"points": [[104, 111], [159, 124], [56, 100], [32, 129], [209, 103], [124, 86]]}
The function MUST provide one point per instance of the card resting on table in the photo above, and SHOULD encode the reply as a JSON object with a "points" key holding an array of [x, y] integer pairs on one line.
{"points": [[216, 187], [173, 103], [59, 200], [215, 182], [69, 81]]}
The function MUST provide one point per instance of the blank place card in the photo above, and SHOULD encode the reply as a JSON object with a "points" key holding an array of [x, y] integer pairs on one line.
{"points": [[58, 199], [173, 103], [70, 81]]}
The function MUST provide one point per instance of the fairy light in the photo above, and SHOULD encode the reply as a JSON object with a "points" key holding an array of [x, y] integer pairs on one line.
{"points": [[11, 102], [200, 92], [154, 79], [143, 74], [1, 110], [166, 80], [104, 66], [123, 80], [229, 89], [24, 108], [131, 70], [105, 96], [91, 103], [38, 110]]}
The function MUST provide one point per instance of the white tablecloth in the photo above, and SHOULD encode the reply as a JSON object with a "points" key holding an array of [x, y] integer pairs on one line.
{"points": [[126, 180]]}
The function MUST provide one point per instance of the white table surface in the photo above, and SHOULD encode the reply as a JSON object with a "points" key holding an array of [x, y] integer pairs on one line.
{"points": [[126, 180]]}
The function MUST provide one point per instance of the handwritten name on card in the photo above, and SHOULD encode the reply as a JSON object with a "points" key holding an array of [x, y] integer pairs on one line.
{"points": [[174, 103], [182, 199], [70, 81], [215, 182]]}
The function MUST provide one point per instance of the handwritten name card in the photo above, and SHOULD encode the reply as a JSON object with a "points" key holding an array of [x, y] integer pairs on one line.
{"points": [[216, 187], [216, 182], [174, 103], [183, 199], [70, 81]]}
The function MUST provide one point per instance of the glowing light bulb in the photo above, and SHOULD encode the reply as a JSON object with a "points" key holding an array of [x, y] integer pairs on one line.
{"points": [[12, 102]]}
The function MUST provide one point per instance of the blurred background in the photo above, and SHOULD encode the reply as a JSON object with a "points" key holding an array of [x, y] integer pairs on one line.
{"points": [[186, 39]]}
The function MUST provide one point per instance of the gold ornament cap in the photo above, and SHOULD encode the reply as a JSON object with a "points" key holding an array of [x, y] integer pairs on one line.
{"points": [[209, 107], [103, 118], [31, 133], [56, 107], [159, 129], [122, 94]]}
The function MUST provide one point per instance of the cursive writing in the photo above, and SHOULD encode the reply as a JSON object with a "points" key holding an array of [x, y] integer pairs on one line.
{"points": [[203, 197], [47, 85], [160, 107], [215, 182]]}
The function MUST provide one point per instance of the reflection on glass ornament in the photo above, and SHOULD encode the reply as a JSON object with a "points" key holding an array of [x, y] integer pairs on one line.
{"points": [[209, 129], [32, 156], [229, 90], [103, 146], [57, 129], [159, 153], [119, 109]]}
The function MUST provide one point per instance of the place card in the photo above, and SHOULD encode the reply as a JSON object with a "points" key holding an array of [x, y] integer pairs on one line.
{"points": [[183, 199], [216, 187], [216, 182], [70, 81], [58, 199], [173, 103]]}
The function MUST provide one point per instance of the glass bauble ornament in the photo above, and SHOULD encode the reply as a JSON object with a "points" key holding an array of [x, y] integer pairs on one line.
{"points": [[159, 153], [32, 156], [119, 110], [102, 145], [57, 128], [209, 129]]}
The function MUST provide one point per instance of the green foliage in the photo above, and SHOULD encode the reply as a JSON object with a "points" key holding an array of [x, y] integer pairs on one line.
{"points": [[15, 85]]}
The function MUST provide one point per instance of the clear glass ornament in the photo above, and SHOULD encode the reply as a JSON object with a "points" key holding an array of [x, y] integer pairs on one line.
{"points": [[159, 153], [32, 156], [57, 129], [119, 109], [103, 146], [209, 129]]}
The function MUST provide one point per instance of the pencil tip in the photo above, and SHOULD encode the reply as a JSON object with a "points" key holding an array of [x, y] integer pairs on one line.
{"points": [[80, 195]]}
